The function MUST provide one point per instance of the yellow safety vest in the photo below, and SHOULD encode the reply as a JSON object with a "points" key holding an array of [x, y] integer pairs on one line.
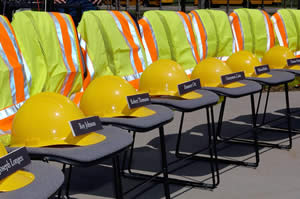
{"points": [[51, 49], [112, 45], [252, 30], [286, 23], [169, 35], [213, 33], [15, 79]]}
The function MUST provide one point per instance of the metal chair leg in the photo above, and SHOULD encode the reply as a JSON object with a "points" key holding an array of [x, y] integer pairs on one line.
{"points": [[164, 163], [263, 123], [235, 140], [59, 194], [117, 177], [179, 134], [67, 194], [131, 153], [212, 156], [215, 144]]}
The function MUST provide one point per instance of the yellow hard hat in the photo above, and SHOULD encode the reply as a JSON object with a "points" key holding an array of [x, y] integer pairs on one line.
{"points": [[106, 97], [16, 180], [43, 120], [210, 71], [162, 78], [245, 61], [277, 58]]}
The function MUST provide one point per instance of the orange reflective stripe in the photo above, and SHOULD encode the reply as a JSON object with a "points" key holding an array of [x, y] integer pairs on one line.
{"points": [[135, 83], [238, 31], [191, 34], [6, 124], [281, 28], [80, 56], [147, 34], [271, 32], [135, 26], [202, 35], [68, 53], [127, 33], [12, 58], [77, 97]]}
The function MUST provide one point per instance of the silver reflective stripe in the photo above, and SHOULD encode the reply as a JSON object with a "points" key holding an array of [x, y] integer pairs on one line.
{"points": [[199, 40], [287, 38], [61, 44], [189, 71], [12, 38], [131, 50], [188, 36], [242, 32], [5, 113], [233, 40], [223, 58], [28, 78], [297, 53], [148, 56], [233, 44], [18, 53], [154, 38], [234, 33], [89, 63], [132, 77], [90, 66], [135, 39], [278, 35], [73, 39], [268, 31], [11, 75], [26, 73]]}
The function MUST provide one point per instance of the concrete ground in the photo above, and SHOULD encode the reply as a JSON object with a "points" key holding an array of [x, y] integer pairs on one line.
{"points": [[277, 176]]}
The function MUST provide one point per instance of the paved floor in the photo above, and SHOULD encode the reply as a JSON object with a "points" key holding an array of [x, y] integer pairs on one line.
{"points": [[277, 176]]}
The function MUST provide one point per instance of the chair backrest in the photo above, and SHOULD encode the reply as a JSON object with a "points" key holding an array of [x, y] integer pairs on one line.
{"points": [[286, 23], [112, 45], [253, 30], [169, 35], [51, 49], [14, 76], [213, 33]]}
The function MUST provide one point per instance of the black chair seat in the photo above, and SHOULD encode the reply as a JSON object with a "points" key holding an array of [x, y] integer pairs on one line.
{"points": [[183, 105], [250, 87], [116, 140], [162, 116], [48, 180], [278, 77]]}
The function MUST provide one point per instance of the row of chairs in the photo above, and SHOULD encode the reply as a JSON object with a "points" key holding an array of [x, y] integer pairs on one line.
{"points": [[112, 45]]}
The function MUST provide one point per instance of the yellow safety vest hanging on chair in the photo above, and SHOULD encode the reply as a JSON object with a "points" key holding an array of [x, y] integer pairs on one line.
{"points": [[213, 33], [169, 35], [15, 79], [286, 23], [112, 45], [51, 49], [252, 30]]}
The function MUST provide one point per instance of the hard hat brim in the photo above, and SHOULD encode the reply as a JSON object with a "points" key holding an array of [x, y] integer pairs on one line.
{"points": [[135, 112], [234, 85], [231, 85], [264, 75], [16, 181], [190, 95], [295, 67]]}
